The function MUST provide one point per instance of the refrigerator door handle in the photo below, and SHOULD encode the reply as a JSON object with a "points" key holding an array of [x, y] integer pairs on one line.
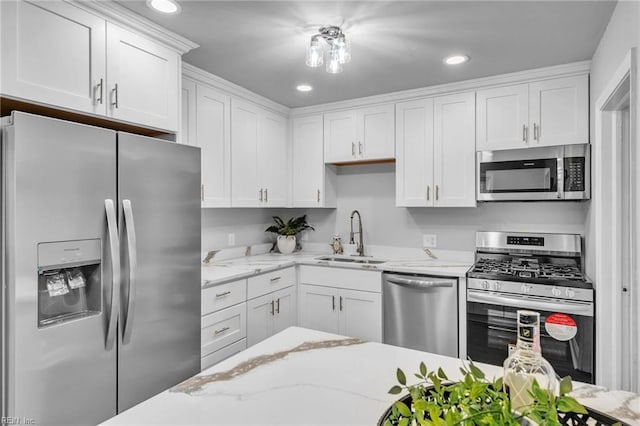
{"points": [[133, 267], [115, 272]]}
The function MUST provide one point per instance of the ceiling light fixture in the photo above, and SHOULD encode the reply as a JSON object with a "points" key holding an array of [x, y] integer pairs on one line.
{"points": [[304, 88], [164, 6], [330, 42], [456, 59]]}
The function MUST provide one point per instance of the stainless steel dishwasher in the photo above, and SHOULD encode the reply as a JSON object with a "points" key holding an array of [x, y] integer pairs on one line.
{"points": [[421, 312]]}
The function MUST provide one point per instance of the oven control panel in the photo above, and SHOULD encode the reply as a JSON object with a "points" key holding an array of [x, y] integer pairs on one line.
{"points": [[525, 241], [530, 289]]}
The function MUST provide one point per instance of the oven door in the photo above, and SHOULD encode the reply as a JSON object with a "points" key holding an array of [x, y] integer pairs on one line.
{"points": [[492, 331], [530, 174]]}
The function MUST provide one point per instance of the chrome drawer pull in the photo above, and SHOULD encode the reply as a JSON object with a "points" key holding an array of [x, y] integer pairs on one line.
{"points": [[223, 294], [222, 330], [274, 279]]}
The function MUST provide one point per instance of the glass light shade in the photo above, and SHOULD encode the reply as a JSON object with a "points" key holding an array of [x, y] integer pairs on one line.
{"points": [[344, 49], [314, 54], [333, 64]]}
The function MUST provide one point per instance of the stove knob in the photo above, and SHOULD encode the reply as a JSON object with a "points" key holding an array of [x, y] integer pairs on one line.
{"points": [[570, 293], [497, 286], [485, 285], [556, 292], [525, 288]]}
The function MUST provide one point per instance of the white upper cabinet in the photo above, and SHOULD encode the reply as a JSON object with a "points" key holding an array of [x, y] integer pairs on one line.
{"points": [[213, 136], [63, 56], [414, 153], [312, 180], [541, 113], [454, 150], [54, 53], [259, 153], [245, 186], [187, 133], [503, 117], [143, 80], [559, 111], [365, 134], [273, 164]]}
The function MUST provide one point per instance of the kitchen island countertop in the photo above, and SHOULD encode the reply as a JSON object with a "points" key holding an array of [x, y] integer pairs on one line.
{"points": [[306, 377]]}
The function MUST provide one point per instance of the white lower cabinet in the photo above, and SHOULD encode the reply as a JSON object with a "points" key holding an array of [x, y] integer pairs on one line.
{"points": [[270, 313], [341, 301]]}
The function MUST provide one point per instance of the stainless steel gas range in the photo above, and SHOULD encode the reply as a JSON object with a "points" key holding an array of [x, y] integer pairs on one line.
{"points": [[540, 272]]}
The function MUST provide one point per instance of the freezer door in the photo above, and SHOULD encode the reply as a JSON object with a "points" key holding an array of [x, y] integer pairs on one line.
{"points": [[159, 191], [57, 176]]}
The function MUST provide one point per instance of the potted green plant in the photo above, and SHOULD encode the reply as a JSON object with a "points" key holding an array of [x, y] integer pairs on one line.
{"points": [[287, 232]]}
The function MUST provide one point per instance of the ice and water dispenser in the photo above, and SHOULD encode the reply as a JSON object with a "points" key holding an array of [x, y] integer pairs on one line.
{"points": [[69, 280]]}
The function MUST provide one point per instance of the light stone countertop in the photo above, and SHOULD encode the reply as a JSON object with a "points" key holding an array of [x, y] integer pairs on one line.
{"points": [[306, 377], [238, 263]]}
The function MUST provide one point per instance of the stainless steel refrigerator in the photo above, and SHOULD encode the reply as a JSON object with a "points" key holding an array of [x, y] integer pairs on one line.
{"points": [[100, 269]]}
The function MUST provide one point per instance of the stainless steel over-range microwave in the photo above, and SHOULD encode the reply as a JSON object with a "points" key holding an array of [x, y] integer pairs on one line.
{"points": [[529, 174]]}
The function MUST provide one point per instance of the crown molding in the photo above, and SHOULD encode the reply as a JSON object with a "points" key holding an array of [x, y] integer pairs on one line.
{"points": [[556, 71], [118, 14], [201, 76]]}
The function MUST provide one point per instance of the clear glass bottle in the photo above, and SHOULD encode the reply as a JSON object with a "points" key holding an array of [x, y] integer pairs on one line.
{"points": [[526, 363]]}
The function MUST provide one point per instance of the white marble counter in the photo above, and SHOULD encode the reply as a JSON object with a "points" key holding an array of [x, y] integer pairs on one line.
{"points": [[305, 377], [223, 266]]}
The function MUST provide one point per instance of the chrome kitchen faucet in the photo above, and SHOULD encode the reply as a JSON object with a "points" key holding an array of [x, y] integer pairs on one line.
{"points": [[360, 247]]}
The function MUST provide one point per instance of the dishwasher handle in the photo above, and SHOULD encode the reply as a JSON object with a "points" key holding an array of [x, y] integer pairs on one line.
{"points": [[418, 282]]}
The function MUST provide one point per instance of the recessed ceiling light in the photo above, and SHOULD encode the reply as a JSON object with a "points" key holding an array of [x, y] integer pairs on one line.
{"points": [[456, 59], [164, 6], [304, 88]]}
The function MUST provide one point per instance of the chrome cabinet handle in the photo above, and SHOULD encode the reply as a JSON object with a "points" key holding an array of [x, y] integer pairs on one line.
{"points": [[318, 195], [266, 195], [133, 269], [274, 279], [535, 132], [360, 147], [114, 97], [428, 190], [273, 309], [220, 331], [202, 192], [340, 302], [219, 295], [353, 148], [260, 195], [333, 303], [114, 248], [524, 133], [278, 305], [437, 193], [100, 86]]}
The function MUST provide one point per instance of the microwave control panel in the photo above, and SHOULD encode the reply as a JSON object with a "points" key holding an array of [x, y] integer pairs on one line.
{"points": [[574, 174]]}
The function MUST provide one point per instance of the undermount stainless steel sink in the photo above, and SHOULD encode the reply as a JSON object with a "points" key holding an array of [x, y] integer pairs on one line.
{"points": [[351, 260]]}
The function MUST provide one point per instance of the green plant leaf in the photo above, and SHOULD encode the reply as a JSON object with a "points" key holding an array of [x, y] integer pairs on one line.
{"points": [[403, 422], [402, 379], [442, 374], [395, 390], [423, 369], [477, 373], [403, 409], [567, 404], [565, 385]]}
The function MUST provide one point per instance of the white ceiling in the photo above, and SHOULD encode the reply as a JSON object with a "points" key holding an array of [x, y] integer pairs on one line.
{"points": [[395, 45]]}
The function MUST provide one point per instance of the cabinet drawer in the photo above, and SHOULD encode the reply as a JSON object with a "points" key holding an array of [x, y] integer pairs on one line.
{"points": [[223, 295], [342, 278], [223, 327], [272, 281], [222, 354]]}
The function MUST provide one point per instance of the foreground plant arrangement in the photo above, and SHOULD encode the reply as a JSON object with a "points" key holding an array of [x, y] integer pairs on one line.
{"points": [[474, 401]]}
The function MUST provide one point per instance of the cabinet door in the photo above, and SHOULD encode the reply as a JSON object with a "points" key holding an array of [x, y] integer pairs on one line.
{"points": [[272, 159], [260, 313], [143, 80], [340, 137], [187, 135], [53, 53], [559, 111], [376, 132], [318, 308], [245, 189], [213, 136], [360, 314], [414, 153], [308, 164], [502, 117], [286, 309], [454, 150]]}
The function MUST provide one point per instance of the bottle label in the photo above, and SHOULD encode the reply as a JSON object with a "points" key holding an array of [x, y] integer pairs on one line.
{"points": [[527, 333]]}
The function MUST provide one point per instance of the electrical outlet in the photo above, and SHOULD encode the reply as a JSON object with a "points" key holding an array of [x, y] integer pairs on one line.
{"points": [[429, 240], [232, 239]]}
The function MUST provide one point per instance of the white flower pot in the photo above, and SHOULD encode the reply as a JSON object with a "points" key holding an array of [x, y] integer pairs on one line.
{"points": [[286, 243]]}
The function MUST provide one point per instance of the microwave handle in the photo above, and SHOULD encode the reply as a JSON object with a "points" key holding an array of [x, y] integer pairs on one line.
{"points": [[560, 172]]}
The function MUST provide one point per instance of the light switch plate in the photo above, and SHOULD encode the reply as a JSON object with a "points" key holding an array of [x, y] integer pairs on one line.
{"points": [[232, 239], [429, 240]]}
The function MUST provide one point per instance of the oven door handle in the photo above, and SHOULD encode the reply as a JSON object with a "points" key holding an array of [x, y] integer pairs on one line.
{"points": [[566, 307]]}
